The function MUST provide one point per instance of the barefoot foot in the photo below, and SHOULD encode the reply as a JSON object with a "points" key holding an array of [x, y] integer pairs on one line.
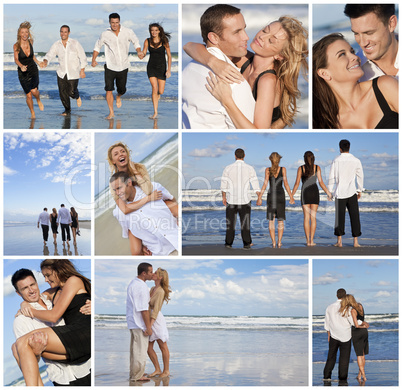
{"points": [[79, 102], [164, 374], [110, 116], [338, 244], [155, 373], [279, 244], [40, 105], [118, 101], [155, 116]]}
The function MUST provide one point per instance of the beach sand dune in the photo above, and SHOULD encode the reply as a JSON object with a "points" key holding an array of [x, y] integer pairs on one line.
{"points": [[108, 239]]}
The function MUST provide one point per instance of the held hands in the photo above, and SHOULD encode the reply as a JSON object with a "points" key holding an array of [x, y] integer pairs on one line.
{"points": [[292, 200], [148, 332], [43, 64], [259, 201], [26, 309], [226, 72], [141, 55], [218, 88], [86, 309]]}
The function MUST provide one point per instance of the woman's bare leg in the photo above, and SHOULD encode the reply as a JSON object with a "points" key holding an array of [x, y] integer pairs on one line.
{"points": [[29, 101], [306, 222], [28, 361], [271, 228], [281, 227], [165, 357], [361, 362], [173, 207], [36, 93], [155, 96], [313, 226], [74, 230], [154, 359]]}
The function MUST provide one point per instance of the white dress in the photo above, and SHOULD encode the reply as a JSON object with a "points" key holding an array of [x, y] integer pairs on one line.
{"points": [[159, 328]]}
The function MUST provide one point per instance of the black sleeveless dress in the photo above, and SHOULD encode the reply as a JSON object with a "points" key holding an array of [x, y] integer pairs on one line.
{"points": [[157, 62], [276, 198], [76, 333], [74, 223], [53, 223], [30, 78], [360, 338], [390, 118], [309, 191], [276, 113]]}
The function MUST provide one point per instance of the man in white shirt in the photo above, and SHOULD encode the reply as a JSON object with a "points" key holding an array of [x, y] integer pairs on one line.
{"points": [[65, 221], [346, 171], [43, 220], [138, 321], [374, 28], [72, 63], [152, 225], [235, 187], [339, 329], [117, 40], [223, 31], [60, 374]]}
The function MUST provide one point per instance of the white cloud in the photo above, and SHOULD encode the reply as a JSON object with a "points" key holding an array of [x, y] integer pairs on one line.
{"points": [[383, 294], [234, 288], [230, 271], [95, 22], [285, 282], [326, 279], [8, 171]]}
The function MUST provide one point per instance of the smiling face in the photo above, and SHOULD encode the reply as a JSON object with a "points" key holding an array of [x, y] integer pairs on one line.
{"points": [[233, 39], [155, 32], [24, 34], [342, 63], [64, 33], [51, 277], [372, 35], [270, 41], [28, 289], [114, 24], [120, 158], [123, 190]]}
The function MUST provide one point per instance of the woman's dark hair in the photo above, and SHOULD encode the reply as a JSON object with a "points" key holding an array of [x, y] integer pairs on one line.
{"points": [[309, 163], [65, 269], [73, 212], [164, 36], [325, 105]]}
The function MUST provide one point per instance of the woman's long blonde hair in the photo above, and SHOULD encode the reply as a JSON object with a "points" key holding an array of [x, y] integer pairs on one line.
{"points": [[30, 36], [347, 302], [275, 159], [294, 59], [164, 283]]}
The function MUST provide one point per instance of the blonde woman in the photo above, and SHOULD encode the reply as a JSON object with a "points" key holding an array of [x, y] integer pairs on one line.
{"points": [[159, 294], [280, 52], [276, 176], [28, 73], [359, 332]]}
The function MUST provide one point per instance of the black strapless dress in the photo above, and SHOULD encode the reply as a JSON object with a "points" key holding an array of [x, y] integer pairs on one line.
{"points": [[157, 62]]}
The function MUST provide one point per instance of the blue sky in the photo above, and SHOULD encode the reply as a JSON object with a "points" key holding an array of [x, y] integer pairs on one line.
{"points": [[86, 22], [12, 303], [140, 144], [213, 287], [45, 170], [374, 283], [256, 16], [206, 155]]}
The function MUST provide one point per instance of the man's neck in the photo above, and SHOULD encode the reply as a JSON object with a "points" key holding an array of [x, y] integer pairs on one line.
{"points": [[131, 197], [387, 62], [141, 278], [209, 44]]}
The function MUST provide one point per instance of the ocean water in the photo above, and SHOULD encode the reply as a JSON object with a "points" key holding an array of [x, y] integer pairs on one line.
{"points": [[383, 346], [24, 238], [161, 158], [137, 97], [212, 351], [204, 219]]}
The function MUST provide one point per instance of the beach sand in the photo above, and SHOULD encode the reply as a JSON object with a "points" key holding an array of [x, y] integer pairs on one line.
{"points": [[378, 373], [91, 115], [210, 357], [297, 249], [108, 239], [27, 240]]}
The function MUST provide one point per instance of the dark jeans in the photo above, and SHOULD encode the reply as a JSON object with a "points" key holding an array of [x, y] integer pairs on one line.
{"points": [[65, 227], [67, 89], [85, 381], [244, 211], [352, 205], [45, 232], [344, 357]]}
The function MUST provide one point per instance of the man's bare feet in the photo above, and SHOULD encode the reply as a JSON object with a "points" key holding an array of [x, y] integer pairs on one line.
{"points": [[338, 244], [33, 115], [164, 374], [143, 379], [118, 101], [40, 105], [79, 102], [356, 243], [155, 373], [313, 243]]}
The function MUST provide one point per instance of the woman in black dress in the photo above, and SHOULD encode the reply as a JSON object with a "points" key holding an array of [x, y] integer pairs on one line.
{"points": [[54, 224], [75, 225], [28, 73], [158, 46], [70, 343], [310, 195], [359, 332], [275, 175]]}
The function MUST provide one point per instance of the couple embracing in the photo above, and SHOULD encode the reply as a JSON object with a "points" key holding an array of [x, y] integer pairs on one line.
{"points": [[146, 322], [246, 90]]}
